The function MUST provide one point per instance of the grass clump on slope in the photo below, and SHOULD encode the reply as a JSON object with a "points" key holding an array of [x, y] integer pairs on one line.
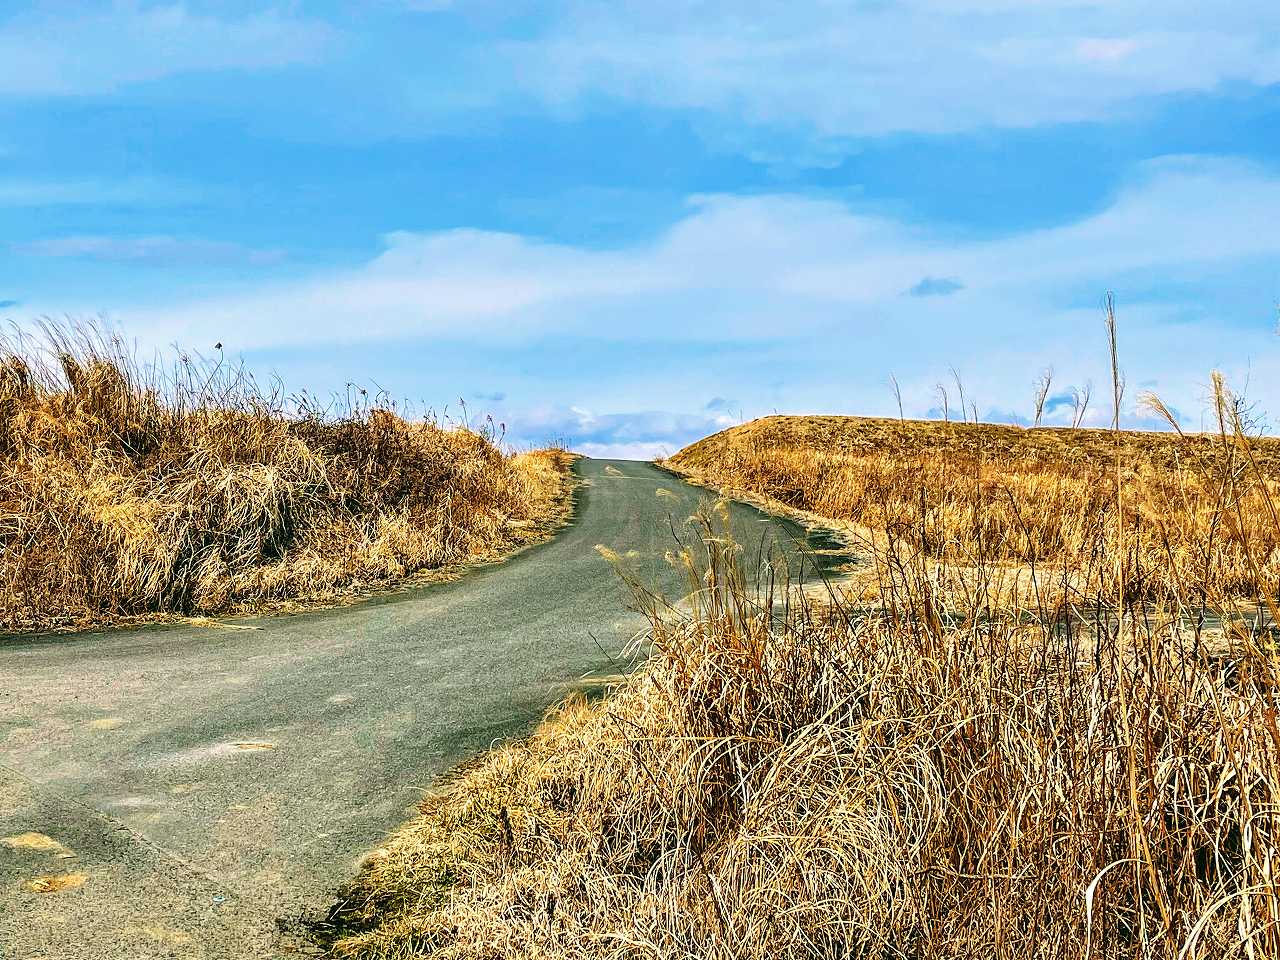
{"points": [[129, 490]]}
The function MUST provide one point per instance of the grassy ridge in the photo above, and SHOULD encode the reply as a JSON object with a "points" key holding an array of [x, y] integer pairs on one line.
{"points": [[929, 775], [129, 491], [1199, 510]]}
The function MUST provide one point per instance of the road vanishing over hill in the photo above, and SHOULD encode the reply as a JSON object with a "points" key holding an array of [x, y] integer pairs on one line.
{"points": [[206, 786]]}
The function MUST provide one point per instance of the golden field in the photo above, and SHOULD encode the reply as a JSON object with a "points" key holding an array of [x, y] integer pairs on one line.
{"points": [[1198, 509], [129, 491], [917, 771]]}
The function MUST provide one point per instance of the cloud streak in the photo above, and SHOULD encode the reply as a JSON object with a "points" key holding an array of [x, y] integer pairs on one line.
{"points": [[808, 297], [100, 48], [936, 66], [150, 250], [736, 266], [811, 68], [22, 193]]}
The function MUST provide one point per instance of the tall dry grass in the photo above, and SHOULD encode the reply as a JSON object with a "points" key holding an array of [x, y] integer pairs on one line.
{"points": [[1198, 516], [130, 489], [930, 776]]}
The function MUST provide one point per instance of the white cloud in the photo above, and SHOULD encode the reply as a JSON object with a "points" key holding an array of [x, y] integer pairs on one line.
{"points": [[837, 68], [849, 68], [813, 296], [1105, 50], [642, 435], [627, 451], [99, 48], [462, 283]]}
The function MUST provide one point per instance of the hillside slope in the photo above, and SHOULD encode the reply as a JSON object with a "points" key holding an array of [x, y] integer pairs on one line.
{"points": [[997, 442], [1021, 496]]}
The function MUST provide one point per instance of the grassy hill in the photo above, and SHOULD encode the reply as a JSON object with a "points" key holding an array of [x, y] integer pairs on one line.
{"points": [[851, 436], [130, 491], [1197, 510]]}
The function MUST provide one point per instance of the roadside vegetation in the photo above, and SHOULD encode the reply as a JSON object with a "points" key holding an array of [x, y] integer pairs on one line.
{"points": [[131, 490], [933, 768], [1196, 511]]}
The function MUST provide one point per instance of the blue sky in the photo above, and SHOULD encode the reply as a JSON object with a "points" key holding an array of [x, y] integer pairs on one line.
{"points": [[629, 224]]}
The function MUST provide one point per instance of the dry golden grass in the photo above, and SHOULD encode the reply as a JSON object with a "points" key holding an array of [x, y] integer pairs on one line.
{"points": [[931, 776], [1019, 497], [127, 492], [788, 780]]}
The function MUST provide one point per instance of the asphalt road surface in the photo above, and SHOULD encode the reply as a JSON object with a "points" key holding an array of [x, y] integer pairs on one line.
{"points": [[203, 787]]}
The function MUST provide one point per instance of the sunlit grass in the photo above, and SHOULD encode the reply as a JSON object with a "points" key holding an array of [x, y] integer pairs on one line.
{"points": [[132, 489]]}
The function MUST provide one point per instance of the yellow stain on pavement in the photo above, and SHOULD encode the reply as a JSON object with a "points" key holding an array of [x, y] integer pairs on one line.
{"points": [[38, 842], [56, 883]]}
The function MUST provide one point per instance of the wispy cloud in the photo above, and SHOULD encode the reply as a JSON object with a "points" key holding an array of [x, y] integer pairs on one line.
{"points": [[918, 65], [642, 435], [152, 250], [736, 265], [88, 48], [810, 66], [124, 192], [813, 286]]}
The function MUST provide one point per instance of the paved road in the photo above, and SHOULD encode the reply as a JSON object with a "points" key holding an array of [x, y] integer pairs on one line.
{"points": [[208, 782]]}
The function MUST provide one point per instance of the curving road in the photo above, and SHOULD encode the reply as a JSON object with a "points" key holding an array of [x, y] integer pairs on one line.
{"points": [[209, 784]]}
